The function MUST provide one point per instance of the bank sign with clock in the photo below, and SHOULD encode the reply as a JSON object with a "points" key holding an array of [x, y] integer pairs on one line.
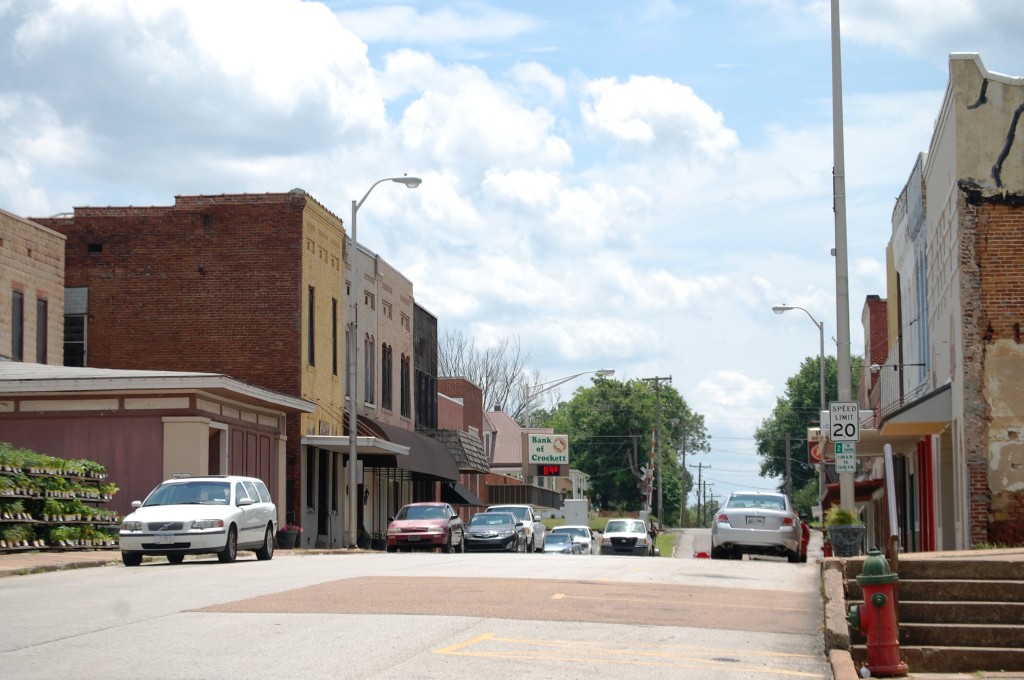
{"points": [[546, 455]]}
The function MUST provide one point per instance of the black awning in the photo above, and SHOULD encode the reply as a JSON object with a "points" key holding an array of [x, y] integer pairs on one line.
{"points": [[427, 457], [457, 494]]}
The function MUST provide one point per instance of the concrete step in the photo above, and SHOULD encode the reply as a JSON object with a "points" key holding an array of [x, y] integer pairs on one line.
{"points": [[983, 590], [961, 635], [912, 568], [1005, 613], [924, 659]]}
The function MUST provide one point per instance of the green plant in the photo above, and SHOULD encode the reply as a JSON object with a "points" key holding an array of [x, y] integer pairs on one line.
{"points": [[838, 516]]}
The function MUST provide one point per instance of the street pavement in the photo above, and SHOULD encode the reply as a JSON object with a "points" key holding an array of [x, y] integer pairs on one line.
{"points": [[689, 544]]}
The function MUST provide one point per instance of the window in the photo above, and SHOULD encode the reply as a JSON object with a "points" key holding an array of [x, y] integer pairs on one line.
{"points": [[368, 299], [18, 326], [310, 343], [386, 309], [334, 336], [405, 322], [406, 405], [370, 363], [41, 330], [74, 340], [385, 376]]}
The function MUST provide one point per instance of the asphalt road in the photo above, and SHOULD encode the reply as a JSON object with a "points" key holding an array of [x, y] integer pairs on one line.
{"points": [[379, 615]]}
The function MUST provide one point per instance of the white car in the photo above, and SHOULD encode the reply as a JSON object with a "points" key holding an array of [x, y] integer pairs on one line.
{"points": [[535, 529], [627, 536], [582, 534], [201, 515]]}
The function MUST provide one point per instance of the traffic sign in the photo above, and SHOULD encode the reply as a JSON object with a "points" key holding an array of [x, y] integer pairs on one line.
{"points": [[846, 457], [844, 421]]}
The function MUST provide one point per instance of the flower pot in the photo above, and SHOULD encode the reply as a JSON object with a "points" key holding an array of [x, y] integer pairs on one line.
{"points": [[286, 539], [846, 539]]}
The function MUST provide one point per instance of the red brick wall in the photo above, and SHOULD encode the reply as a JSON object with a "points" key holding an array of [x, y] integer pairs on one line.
{"points": [[472, 400], [996, 503], [449, 414], [209, 284]]}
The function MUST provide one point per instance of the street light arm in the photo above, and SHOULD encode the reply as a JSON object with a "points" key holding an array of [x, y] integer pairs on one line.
{"points": [[603, 373], [409, 182]]}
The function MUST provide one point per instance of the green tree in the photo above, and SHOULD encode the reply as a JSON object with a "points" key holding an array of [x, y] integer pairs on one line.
{"points": [[610, 427], [794, 412]]}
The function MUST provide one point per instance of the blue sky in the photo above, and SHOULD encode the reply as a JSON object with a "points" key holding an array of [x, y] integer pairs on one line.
{"points": [[626, 185]]}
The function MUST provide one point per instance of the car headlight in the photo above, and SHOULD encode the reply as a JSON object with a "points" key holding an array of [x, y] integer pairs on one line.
{"points": [[642, 540], [208, 524], [131, 526], [394, 531], [435, 530], [506, 533]]}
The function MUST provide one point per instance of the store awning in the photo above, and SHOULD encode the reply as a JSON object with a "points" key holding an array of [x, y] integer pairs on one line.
{"points": [[457, 494], [364, 445], [931, 414], [427, 457]]}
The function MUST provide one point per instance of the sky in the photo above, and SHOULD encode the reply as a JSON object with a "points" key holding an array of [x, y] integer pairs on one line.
{"points": [[619, 185]]}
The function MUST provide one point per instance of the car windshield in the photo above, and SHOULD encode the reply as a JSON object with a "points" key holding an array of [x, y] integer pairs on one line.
{"points": [[520, 513], [556, 539], [625, 526], [760, 502], [191, 493], [578, 532], [421, 512], [491, 519]]}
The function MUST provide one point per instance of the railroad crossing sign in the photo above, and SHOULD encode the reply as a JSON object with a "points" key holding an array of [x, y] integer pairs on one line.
{"points": [[844, 421], [846, 457]]}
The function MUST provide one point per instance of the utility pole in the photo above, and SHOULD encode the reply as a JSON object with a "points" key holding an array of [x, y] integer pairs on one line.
{"points": [[789, 471], [657, 400], [700, 482]]}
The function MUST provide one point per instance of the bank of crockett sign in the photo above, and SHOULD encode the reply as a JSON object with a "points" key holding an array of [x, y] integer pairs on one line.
{"points": [[545, 449]]}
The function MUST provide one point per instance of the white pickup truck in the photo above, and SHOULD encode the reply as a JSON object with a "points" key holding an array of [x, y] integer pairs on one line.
{"points": [[535, 529]]}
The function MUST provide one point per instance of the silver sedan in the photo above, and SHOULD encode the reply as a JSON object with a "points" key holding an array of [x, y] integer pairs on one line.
{"points": [[756, 523]]}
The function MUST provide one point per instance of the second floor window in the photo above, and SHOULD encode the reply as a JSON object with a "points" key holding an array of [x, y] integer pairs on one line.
{"points": [[311, 337], [385, 376], [18, 326]]}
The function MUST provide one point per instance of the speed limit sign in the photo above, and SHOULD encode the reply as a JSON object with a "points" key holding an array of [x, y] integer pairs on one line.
{"points": [[844, 417]]}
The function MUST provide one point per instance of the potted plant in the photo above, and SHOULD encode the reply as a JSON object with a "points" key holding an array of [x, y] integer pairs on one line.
{"points": [[845, 532], [288, 535]]}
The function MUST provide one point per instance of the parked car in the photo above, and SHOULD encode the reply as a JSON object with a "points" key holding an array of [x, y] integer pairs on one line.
{"points": [[535, 529], [426, 526], [626, 536], [562, 543], [757, 523], [583, 535], [218, 514], [495, 531]]}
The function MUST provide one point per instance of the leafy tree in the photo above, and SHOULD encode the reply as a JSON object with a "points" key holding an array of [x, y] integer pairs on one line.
{"points": [[610, 427], [794, 412]]}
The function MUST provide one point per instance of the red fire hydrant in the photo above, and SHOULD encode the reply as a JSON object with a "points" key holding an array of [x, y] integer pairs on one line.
{"points": [[877, 616]]}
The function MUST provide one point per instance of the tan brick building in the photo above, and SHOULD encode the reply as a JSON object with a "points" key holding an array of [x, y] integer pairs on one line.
{"points": [[31, 291]]}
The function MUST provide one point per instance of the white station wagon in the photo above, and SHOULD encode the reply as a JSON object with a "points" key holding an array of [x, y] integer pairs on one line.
{"points": [[219, 514]]}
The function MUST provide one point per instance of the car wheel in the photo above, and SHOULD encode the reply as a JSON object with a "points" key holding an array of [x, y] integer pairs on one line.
{"points": [[450, 548], [176, 559], [803, 557], [230, 551], [793, 557], [462, 542], [718, 554], [131, 559], [266, 551], [391, 549]]}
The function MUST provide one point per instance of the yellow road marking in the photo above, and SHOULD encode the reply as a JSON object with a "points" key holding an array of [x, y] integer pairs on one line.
{"points": [[669, 656]]}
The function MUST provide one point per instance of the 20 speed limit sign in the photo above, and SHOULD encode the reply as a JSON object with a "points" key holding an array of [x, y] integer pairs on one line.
{"points": [[844, 425]]}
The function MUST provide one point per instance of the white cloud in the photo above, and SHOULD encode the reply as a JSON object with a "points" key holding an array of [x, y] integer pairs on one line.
{"points": [[646, 110]]}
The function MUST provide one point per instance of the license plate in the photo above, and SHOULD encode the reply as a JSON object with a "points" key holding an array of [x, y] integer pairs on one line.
{"points": [[164, 537], [755, 521], [413, 538]]}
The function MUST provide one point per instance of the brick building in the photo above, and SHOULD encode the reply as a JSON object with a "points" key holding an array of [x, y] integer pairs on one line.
{"points": [[31, 291], [253, 286], [949, 390]]}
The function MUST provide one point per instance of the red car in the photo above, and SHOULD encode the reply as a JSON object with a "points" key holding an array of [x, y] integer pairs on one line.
{"points": [[426, 526]]}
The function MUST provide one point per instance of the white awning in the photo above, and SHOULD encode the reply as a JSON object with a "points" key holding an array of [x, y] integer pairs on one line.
{"points": [[374, 445]]}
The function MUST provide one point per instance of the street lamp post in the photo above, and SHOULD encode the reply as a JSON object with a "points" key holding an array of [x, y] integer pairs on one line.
{"points": [[657, 398], [547, 387], [352, 357], [780, 309]]}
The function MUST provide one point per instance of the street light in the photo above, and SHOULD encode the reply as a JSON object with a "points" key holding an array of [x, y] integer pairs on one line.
{"points": [[548, 386], [352, 357], [780, 309]]}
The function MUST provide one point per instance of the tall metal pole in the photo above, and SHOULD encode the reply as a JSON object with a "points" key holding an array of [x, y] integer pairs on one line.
{"points": [[846, 497], [352, 355]]}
